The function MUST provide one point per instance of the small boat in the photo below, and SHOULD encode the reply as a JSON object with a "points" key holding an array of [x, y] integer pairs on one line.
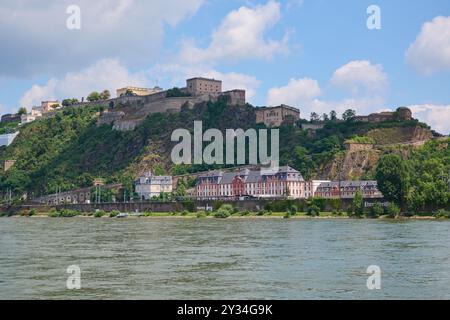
{"points": [[122, 215]]}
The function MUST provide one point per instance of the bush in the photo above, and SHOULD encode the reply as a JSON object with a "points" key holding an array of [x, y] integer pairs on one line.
{"points": [[335, 212], [64, 213], [99, 214], [114, 213], [293, 210], [442, 214], [222, 214], [393, 210], [184, 213], [377, 210], [244, 213], [201, 214], [313, 211]]}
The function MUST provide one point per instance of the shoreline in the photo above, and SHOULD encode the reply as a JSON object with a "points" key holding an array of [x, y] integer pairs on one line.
{"points": [[169, 216]]}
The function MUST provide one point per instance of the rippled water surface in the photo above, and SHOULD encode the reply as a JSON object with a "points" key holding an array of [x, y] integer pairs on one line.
{"points": [[232, 259]]}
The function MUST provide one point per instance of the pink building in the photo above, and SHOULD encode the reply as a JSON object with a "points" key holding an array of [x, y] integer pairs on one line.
{"points": [[287, 182]]}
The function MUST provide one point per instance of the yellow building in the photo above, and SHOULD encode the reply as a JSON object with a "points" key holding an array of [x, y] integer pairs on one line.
{"points": [[276, 116], [47, 106], [137, 91]]}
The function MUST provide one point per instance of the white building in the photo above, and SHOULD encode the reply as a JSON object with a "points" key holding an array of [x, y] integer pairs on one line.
{"points": [[149, 186]]}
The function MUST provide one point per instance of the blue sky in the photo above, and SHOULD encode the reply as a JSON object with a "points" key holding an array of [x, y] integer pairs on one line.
{"points": [[316, 55]]}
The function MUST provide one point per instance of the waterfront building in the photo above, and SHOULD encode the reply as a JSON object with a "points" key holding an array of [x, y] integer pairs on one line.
{"points": [[348, 189], [287, 182], [276, 116], [149, 186], [311, 187]]}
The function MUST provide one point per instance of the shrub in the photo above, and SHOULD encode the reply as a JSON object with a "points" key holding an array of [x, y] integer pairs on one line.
{"points": [[114, 213], [377, 210], [261, 212], [442, 214], [393, 210], [64, 213], [222, 214], [185, 213], [245, 213], [99, 214], [335, 212], [293, 210], [201, 214], [313, 211]]}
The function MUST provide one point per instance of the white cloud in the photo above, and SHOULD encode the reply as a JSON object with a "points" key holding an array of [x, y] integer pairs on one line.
{"points": [[360, 75], [367, 83], [296, 93], [430, 53], [240, 36], [39, 42], [106, 74], [437, 116]]}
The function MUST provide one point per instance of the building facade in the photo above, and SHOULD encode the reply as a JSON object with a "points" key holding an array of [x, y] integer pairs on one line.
{"points": [[137, 91], [199, 86], [276, 116], [8, 118], [47, 106], [311, 187], [287, 182], [348, 190], [149, 186]]}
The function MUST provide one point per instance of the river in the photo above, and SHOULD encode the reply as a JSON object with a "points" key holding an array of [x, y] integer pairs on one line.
{"points": [[223, 259]]}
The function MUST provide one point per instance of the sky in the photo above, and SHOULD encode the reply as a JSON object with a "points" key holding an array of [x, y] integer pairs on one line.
{"points": [[316, 55]]}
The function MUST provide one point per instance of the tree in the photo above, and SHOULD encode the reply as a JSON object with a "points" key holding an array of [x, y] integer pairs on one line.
{"points": [[314, 117], [22, 111], [358, 204], [93, 96], [393, 178], [349, 115], [325, 117], [69, 102], [105, 95], [333, 115]]}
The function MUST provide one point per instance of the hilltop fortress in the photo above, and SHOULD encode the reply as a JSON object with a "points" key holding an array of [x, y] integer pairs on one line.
{"points": [[132, 106]]}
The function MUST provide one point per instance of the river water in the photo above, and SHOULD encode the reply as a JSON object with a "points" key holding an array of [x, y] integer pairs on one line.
{"points": [[217, 259]]}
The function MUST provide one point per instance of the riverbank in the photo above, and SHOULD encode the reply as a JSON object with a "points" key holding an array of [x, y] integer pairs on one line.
{"points": [[250, 216]]}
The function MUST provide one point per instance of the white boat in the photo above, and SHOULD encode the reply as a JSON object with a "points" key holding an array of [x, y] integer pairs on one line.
{"points": [[123, 215]]}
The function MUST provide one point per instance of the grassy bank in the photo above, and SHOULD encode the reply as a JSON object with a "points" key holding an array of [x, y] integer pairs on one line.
{"points": [[220, 214]]}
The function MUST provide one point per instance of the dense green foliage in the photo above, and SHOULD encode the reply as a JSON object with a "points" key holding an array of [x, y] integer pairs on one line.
{"points": [[176, 92], [422, 181]]}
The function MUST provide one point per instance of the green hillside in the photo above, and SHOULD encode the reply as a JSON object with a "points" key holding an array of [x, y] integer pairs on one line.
{"points": [[69, 150]]}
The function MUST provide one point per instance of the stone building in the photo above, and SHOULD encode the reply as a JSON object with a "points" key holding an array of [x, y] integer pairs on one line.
{"points": [[148, 186], [137, 91], [199, 86], [8, 118], [276, 116], [287, 182], [401, 114]]}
